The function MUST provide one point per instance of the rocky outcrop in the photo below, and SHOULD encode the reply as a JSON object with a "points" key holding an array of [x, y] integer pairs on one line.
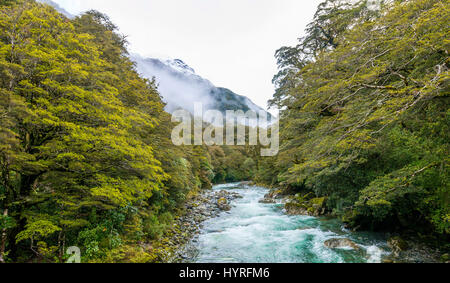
{"points": [[222, 203], [275, 194], [397, 245], [267, 200], [412, 250], [312, 207], [341, 243], [298, 204]]}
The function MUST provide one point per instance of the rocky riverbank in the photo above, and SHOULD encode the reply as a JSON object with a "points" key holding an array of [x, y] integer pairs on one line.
{"points": [[403, 249], [206, 205], [412, 250], [181, 242], [298, 204]]}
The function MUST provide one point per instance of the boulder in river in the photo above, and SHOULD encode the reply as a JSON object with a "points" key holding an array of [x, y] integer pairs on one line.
{"points": [[397, 245], [267, 200], [222, 203], [274, 194], [341, 243], [304, 228], [312, 207]]}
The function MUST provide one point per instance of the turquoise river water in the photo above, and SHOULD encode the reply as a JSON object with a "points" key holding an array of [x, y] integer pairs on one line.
{"points": [[253, 232]]}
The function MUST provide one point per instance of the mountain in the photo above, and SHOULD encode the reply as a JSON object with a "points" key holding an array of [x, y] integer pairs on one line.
{"points": [[57, 8], [181, 87]]}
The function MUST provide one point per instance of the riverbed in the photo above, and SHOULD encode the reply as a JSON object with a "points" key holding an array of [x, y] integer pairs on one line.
{"points": [[254, 232]]}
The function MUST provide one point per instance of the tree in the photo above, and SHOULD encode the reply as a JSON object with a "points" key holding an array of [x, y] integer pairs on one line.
{"points": [[358, 97]]}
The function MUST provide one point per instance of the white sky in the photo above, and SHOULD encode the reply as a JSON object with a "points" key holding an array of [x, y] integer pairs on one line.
{"points": [[229, 42]]}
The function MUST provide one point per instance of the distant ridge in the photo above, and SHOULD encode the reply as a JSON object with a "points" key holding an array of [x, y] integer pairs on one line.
{"points": [[57, 7], [181, 87]]}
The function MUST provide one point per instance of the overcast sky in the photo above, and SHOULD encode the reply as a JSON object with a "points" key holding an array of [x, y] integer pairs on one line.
{"points": [[230, 42]]}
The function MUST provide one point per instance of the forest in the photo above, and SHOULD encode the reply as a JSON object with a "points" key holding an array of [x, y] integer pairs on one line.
{"points": [[365, 115], [85, 153], [86, 157]]}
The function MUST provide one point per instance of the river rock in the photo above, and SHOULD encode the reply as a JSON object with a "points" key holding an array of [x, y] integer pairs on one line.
{"points": [[267, 200], [208, 204], [397, 245], [341, 243], [295, 209], [304, 228], [235, 196], [274, 194], [312, 207], [222, 203]]}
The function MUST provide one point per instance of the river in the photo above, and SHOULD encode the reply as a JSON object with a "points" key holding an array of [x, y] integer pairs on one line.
{"points": [[253, 232]]}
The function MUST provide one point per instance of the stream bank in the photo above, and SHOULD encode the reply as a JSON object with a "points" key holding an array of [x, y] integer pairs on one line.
{"points": [[235, 223]]}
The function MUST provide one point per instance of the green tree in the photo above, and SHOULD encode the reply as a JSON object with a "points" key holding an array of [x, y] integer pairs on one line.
{"points": [[364, 99]]}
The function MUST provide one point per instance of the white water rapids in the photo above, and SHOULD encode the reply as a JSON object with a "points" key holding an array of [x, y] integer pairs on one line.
{"points": [[253, 232]]}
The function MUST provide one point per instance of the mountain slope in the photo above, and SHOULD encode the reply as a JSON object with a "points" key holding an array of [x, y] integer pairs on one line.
{"points": [[181, 87], [57, 8]]}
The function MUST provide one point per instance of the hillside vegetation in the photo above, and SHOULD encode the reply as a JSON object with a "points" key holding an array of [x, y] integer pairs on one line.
{"points": [[365, 114], [86, 157]]}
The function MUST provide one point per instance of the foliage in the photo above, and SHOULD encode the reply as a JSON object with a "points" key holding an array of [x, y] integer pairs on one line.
{"points": [[365, 118], [37, 229], [85, 152], [86, 156]]}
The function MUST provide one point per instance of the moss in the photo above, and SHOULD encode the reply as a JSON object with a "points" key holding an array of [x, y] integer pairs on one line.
{"points": [[320, 202], [349, 217]]}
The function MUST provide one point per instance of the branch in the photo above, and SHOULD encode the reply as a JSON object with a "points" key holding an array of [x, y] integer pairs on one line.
{"points": [[376, 86]]}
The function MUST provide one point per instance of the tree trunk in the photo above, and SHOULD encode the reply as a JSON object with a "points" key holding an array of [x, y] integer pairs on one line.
{"points": [[61, 245], [3, 240]]}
